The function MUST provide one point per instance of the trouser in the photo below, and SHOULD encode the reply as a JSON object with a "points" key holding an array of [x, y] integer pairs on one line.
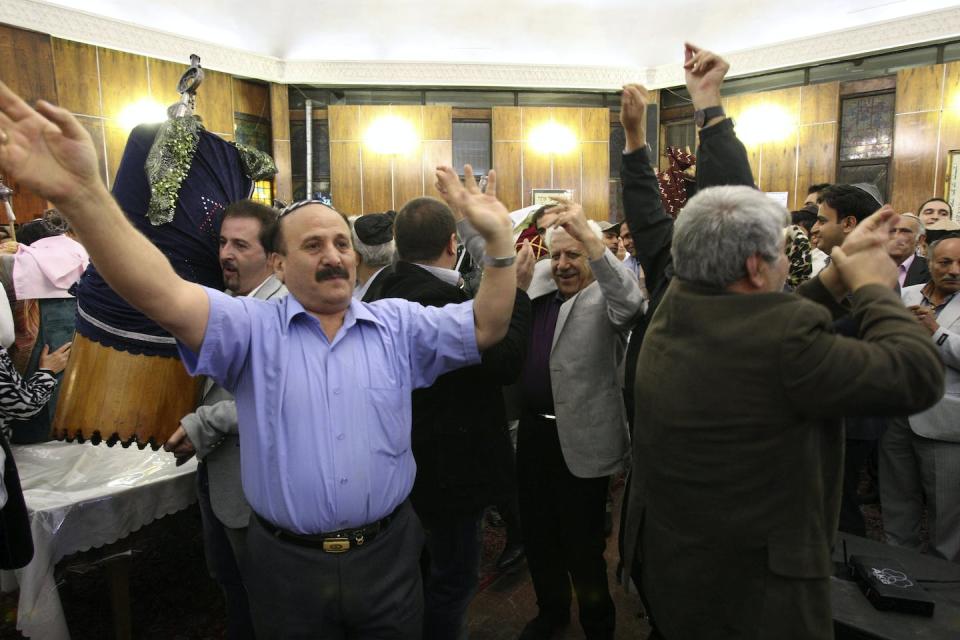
{"points": [[303, 592], [562, 519], [917, 472], [856, 454], [452, 575], [222, 547]]}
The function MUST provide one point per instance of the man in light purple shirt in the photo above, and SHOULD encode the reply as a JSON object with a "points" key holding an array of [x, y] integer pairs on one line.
{"points": [[905, 236], [322, 382]]}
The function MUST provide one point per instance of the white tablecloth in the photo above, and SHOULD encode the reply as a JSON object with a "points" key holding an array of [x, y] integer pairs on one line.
{"points": [[82, 496]]}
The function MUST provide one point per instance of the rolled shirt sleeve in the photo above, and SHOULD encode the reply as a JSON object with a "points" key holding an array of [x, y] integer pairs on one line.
{"points": [[226, 342]]}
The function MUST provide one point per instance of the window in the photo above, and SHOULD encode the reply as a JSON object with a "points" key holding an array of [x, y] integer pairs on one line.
{"points": [[263, 192], [320, 159], [471, 145], [866, 140]]}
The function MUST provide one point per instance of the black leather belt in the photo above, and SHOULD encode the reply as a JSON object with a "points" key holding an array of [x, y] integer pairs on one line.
{"points": [[335, 541]]}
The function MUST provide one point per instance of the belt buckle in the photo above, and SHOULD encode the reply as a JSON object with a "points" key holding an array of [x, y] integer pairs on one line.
{"points": [[337, 544]]}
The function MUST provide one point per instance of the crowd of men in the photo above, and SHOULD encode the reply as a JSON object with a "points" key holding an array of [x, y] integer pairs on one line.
{"points": [[353, 428]]}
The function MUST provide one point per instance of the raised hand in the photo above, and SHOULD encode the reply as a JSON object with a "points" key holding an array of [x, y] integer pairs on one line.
{"points": [[871, 233], [570, 216], [487, 214], [525, 264], [46, 149], [704, 73], [633, 115]]}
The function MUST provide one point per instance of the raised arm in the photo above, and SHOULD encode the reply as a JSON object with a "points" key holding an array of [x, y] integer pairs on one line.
{"points": [[48, 151], [493, 304], [721, 157]]}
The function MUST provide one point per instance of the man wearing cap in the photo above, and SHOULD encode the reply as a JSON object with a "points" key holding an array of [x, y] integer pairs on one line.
{"points": [[611, 238], [373, 242], [322, 382]]}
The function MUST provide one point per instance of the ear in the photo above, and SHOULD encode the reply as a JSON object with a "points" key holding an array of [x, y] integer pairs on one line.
{"points": [[359, 257], [279, 261], [756, 271], [452, 245], [848, 224]]}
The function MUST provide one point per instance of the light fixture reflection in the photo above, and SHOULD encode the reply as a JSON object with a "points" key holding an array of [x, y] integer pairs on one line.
{"points": [[143, 111], [764, 123], [552, 137], [390, 135]]}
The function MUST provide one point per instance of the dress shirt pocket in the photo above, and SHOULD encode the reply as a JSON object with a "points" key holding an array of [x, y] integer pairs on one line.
{"points": [[388, 419]]}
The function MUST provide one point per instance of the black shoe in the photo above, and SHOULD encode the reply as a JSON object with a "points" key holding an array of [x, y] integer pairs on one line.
{"points": [[544, 627], [512, 554]]}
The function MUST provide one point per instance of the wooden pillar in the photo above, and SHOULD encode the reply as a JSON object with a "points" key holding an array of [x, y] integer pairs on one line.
{"points": [[280, 124]]}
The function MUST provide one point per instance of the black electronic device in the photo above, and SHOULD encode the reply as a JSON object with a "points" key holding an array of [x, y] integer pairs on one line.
{"points": [[888, 587]]}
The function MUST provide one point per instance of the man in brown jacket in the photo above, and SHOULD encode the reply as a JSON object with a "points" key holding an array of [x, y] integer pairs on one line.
{"points": [[738, 444]]}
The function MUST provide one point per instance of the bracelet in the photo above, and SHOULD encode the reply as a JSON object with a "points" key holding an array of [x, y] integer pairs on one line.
{"points": [[489, 261]]}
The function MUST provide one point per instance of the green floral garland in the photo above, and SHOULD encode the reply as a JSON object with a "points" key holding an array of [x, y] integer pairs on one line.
{"points": [[168, 163], [257, 165]]}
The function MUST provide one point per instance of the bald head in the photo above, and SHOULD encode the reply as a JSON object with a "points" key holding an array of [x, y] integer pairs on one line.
{"points": [[278, 240]]}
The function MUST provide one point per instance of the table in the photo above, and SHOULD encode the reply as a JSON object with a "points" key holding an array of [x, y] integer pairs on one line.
{"points": [[80, 497], [855, 617]]}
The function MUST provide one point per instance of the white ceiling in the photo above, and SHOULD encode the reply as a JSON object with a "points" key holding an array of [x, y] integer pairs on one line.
{"points": [[555, 41]]}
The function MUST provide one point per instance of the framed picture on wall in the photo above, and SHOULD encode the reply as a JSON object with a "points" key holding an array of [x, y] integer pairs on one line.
{"points": [[953, 182], [549, 196]]}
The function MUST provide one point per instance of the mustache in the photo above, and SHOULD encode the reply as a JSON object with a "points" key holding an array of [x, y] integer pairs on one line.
{"points": [[331, 273]]}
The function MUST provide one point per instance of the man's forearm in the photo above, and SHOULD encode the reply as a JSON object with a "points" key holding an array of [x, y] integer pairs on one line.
{"points": [[134, 267], [493, 304]]}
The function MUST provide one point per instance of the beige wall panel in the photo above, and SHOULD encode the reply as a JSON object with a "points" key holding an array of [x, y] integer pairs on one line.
{"points": [[779, 170], [412, 114], [377, 181], [436, 153], [215, 103], [506, 124], [345, 177], [78, 81], [567, 172], [817, 158], [914, 159], [596, 125], [94, 127], [507, 158], [820, 103], [596, 173], [251, 98], [949, 123], [116, 141], [280, 111], [438, 122], [571, 118], [407, 176], [164, 78], [919, 88], [283, 181], [123, 81], [26, 64], [344, 122]]}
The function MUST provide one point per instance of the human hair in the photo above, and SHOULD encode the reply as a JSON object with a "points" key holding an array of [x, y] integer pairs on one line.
{"points": [[539, 214], [805, 218], [597, 231], [266, 216], [848, 200], [422, 229], [817, 188], [932, 249], [374, 255], [929, 200], [720, 228], [275, 239], [921, 228]]}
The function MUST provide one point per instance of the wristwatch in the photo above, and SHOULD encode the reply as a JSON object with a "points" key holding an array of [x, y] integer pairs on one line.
{"points": [[703, 116], [490, 261]]}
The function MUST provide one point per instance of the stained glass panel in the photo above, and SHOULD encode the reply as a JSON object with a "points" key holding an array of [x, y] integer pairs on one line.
{"points": [[866, 127]]}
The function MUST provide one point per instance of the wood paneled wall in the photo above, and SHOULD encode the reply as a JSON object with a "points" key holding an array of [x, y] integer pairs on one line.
{"points": [[363, 181], [585, 170], [806, 153], [927, 127], [96, 84]]}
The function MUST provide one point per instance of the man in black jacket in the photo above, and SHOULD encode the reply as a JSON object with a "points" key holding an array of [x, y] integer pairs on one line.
{"points": [[460, 443]]}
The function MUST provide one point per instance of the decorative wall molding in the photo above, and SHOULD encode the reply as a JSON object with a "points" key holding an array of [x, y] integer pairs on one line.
{"points": [[84, 27]]}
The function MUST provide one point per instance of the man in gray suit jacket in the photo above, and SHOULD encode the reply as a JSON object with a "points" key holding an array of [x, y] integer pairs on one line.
{"points": [[920, 455], [211, 431]]}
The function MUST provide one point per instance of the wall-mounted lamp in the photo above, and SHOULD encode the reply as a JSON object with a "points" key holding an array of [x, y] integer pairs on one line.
{"points": [[143, 111], [552, 138], [764, 123], [390, 135]]}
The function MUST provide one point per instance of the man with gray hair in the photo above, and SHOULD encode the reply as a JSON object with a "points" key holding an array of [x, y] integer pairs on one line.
{"points": [[740, 392], [905, 236], [375, 249]]}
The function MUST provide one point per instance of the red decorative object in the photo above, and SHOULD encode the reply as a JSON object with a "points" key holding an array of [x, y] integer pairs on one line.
{"points": [[674, 181]]}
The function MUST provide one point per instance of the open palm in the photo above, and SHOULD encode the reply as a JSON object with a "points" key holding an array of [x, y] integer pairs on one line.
{"points": [[487, 214], [45, 149]]}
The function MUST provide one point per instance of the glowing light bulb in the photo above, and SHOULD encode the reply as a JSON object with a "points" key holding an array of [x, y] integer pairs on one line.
{"points": [[552, 137], [764, 123], [143, 111], [390, 135]]}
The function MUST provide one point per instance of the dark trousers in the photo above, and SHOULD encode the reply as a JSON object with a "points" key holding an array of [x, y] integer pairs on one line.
{"points": [[452, 574], [562, 518], [856, 454], [222, 563], [373, 591]]}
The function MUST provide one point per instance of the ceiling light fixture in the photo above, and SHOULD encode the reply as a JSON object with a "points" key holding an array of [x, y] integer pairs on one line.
{"points": [[390, 135], [552, 137]]}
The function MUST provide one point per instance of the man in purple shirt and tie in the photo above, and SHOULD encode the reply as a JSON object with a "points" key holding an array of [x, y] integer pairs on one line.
{"points": [[322, 382]]}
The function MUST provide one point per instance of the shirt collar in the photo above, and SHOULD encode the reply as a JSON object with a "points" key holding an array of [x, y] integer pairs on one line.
{"points": [[449, 276], [357, 311], [360, 291], [909, 261], [256, 289]]}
